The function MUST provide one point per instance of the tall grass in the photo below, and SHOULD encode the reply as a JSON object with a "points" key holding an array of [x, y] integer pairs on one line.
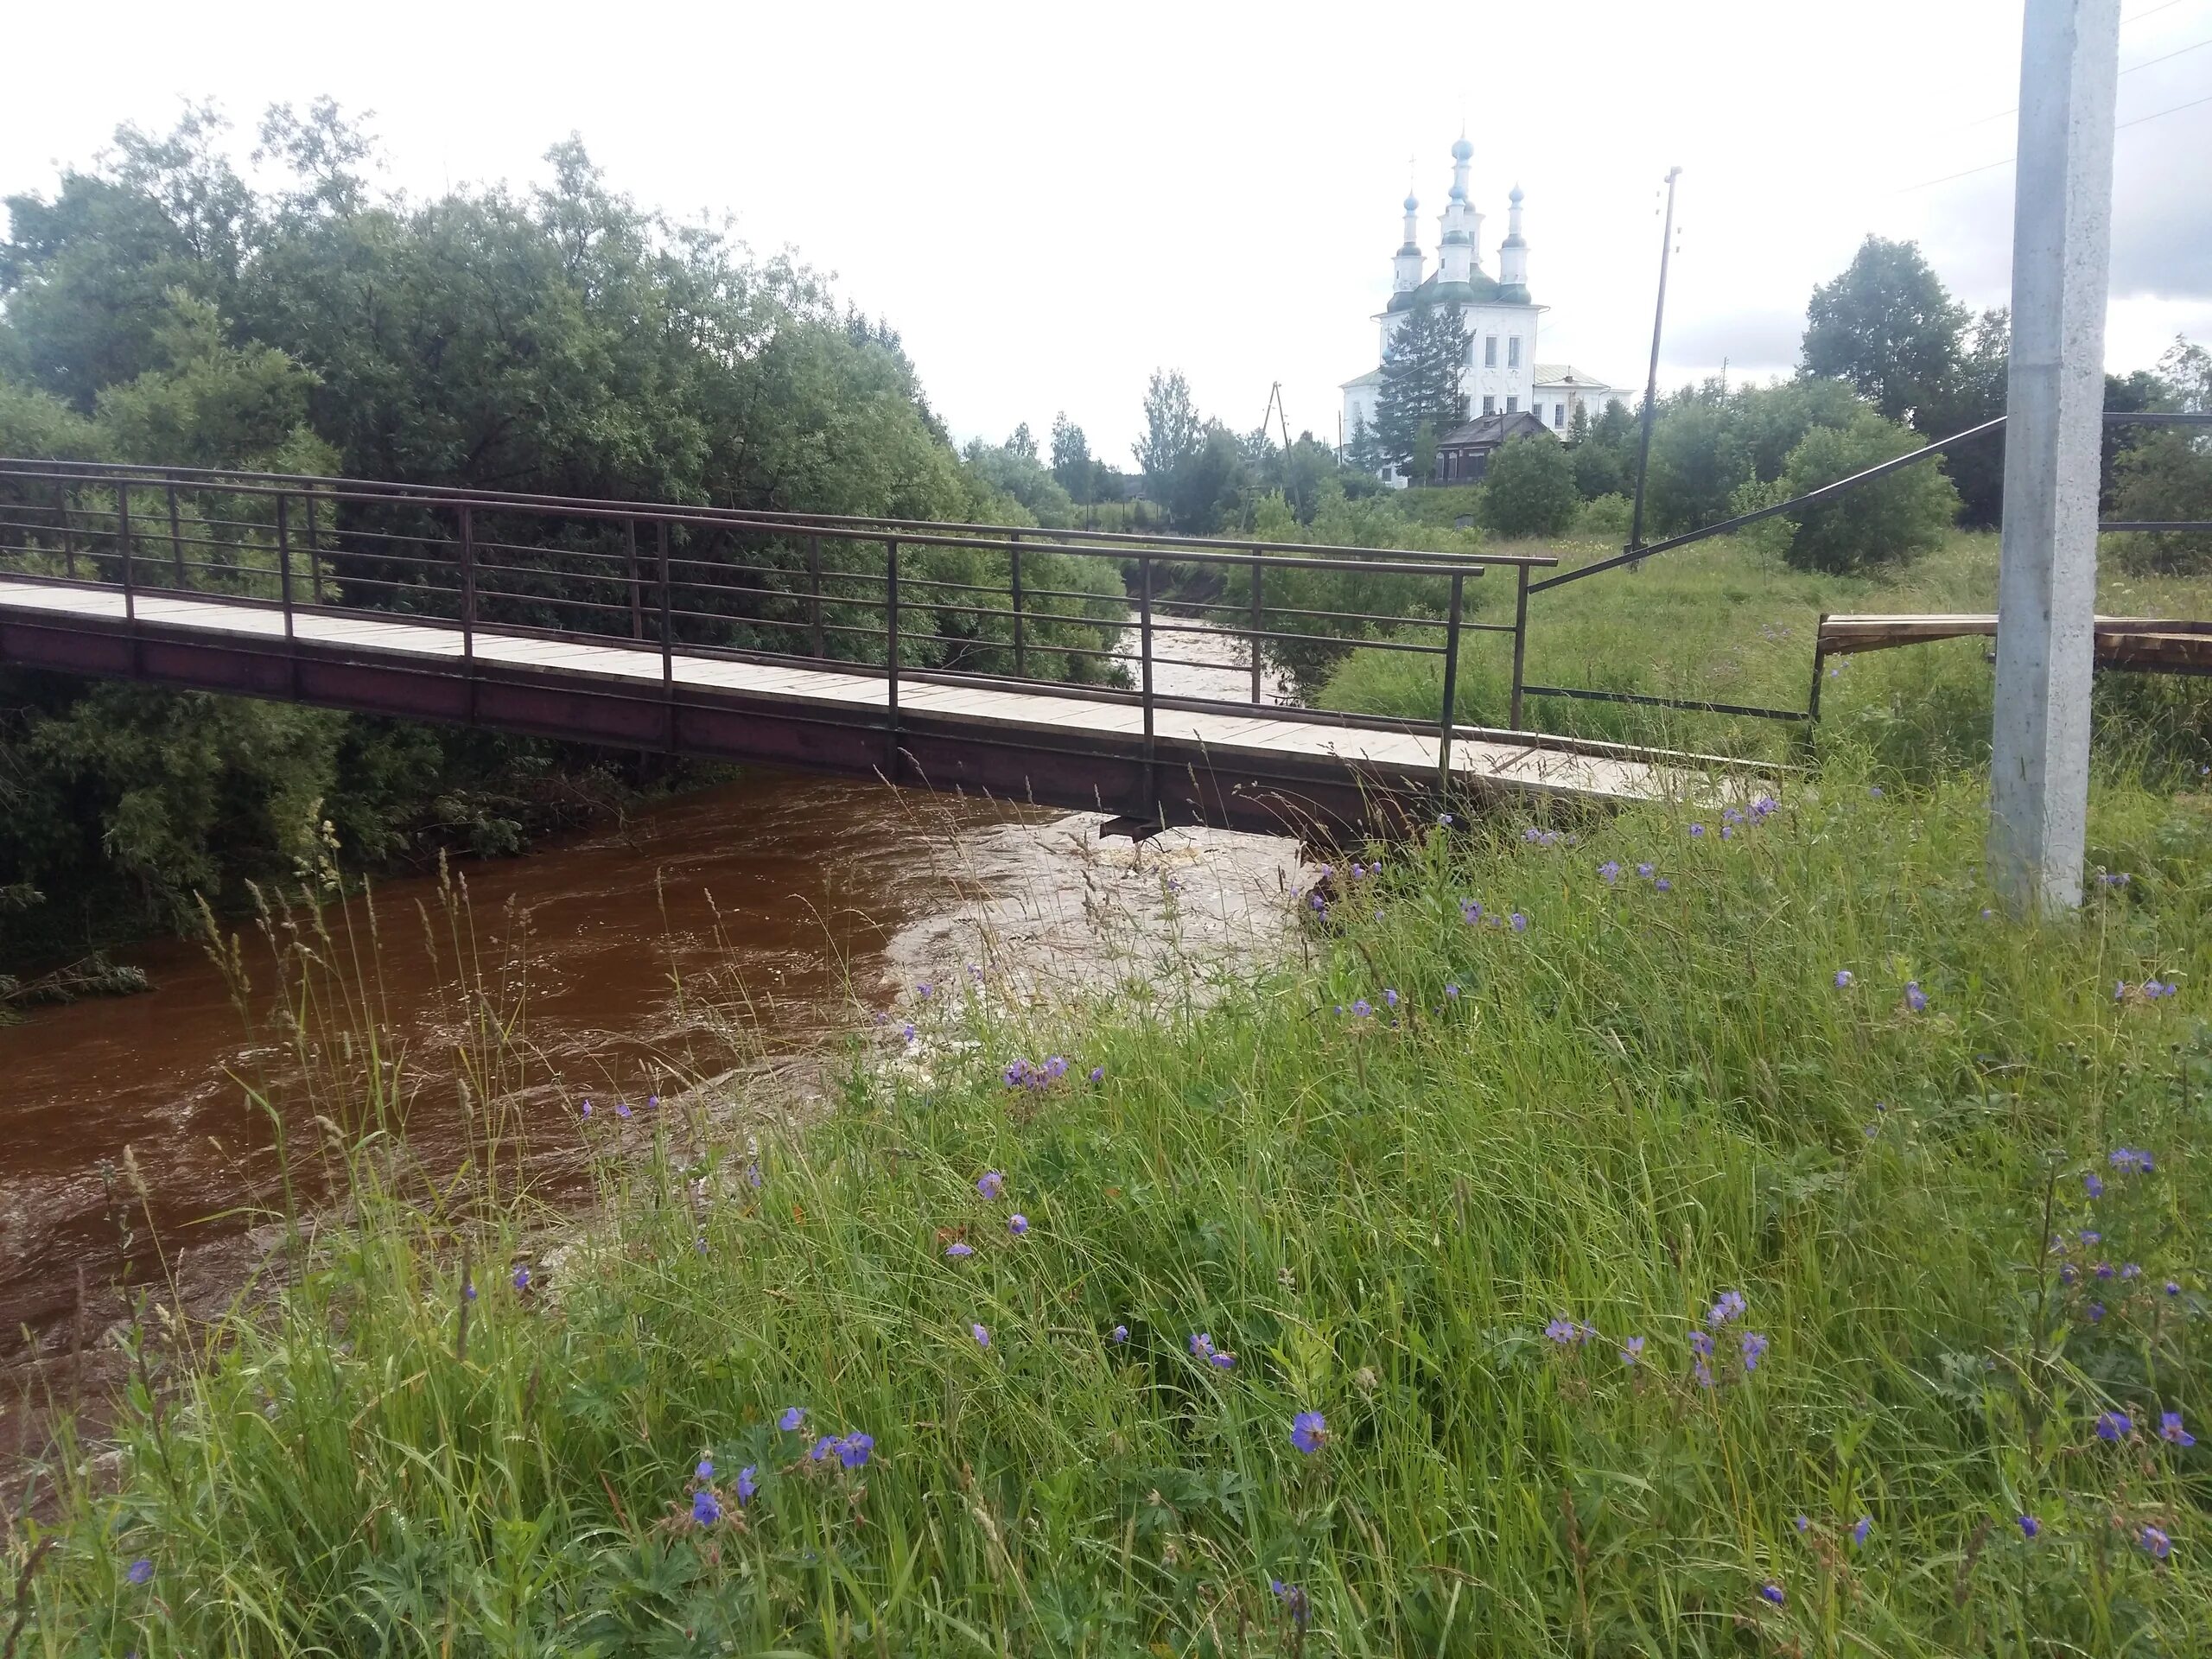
{"points": [[1727, 621], [1601, 1118]]}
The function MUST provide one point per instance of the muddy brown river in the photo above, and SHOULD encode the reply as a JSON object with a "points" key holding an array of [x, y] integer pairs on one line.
{"points": [[746, 931]]}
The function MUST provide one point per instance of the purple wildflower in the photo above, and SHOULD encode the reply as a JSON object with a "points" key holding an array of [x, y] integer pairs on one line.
{"points": [[1772, 1592], [1632, 1351], [1361, 1007], [1754, 1350], [622, 1108], [2066, 1275], [1662, 884], [1804, 1524], [1221, 1360], [959, 1247], [1520, 923], [822, 1450], [1390, 997], [1098, 1074], [792, 1420], [1201, 1343], [587, 1109], [2114, 1427], [2096, 1312], [1295, 1605], [1119, 1334], [2173, 1287], [907, 1034], [2131, 1159], [1056, 1067], [983, 1336], [1914, 998], [1702, 1372], [1560, 1331], [748, 1482], [141, 1570], [705, 1510], [991, 1184], [2172, 1432], [1470, 912], [1843, 978], [1727, 832], [2154, 1540], [1452, 989], [706, 1469], [1610, 871], [1701, 1343], [1860, 1528], [1308, 1432], [2104, 1269], [1731, 1306], [2091, 1238], [1444, 818], [752, 1176], [925, 989], [1697, 832], [1017, 1224], [522, 1278], [2029, 1526], [2094, 1184], [855, 1449]]}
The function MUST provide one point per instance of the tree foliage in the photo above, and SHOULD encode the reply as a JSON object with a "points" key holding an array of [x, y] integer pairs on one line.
{"points": [[1888, 521], [1888, 326], [1528, 489], [1421, 367]]}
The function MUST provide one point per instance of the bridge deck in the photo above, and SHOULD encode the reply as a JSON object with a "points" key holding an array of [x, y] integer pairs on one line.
{"points": [[1263, 746]]}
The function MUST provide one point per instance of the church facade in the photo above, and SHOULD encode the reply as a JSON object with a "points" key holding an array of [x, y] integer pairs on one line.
{"points": [[1502, 378]]}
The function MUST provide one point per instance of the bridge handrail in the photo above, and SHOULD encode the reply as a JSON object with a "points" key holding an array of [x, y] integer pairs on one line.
{"points": [[845, 526]]}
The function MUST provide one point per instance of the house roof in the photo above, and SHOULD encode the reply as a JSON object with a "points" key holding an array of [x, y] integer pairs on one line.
{"points": [[1372, 378], [1488, 431], [1481, 288], [1563, 374]]}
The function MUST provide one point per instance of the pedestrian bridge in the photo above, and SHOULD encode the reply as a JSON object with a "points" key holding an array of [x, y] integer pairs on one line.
{"points": [[1015, 663]]}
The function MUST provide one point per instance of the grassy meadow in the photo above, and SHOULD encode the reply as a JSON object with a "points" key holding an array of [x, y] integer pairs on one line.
{"points": [[1694, 1232], [1725, 620]]}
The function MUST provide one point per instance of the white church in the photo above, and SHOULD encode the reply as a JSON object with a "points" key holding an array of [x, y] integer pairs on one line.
{"points": [[1504, 390]]}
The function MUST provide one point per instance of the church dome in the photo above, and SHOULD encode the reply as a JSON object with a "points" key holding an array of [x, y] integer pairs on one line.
{"points": [[1516, 197], [1463, 149], [1412, 204]]}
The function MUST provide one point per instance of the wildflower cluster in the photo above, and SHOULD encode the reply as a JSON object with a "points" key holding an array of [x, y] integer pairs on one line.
{"points": [[2150, 990], [1472, 914], [1751, 1345], [1202, 1348]]}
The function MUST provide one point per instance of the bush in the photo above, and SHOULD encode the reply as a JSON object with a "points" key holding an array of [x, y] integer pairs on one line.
{"points": [[1891, 520], [2166, 475], [1607, 516], [1530, 488]]}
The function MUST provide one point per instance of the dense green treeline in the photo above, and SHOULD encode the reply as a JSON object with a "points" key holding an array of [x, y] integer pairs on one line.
{"points": [[158, 308]]}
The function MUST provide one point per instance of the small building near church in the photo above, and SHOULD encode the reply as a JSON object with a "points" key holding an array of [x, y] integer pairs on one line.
{"points": [[1500, 377], [1463, 453]]}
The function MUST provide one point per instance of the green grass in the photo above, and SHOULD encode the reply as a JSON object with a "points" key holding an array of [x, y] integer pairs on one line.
{"points": [[1727, 621], [1644, 1100]]}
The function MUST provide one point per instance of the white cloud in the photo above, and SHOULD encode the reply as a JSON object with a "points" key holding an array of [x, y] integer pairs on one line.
{"points": [[1050, 202]]}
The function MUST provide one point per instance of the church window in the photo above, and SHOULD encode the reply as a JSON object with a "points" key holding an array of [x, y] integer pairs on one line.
{"points": [[1489, 405], [1513, 405], [1559, 413], [1490, 351], [1513, 351]]}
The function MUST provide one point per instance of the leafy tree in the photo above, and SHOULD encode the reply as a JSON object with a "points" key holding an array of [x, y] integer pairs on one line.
{"points": [[1206, 489], [1421, 367], [1975, 392], [1023, 443], [1888, 326], [1072, 457], [1603, 450], [1363, 450], [1173, 434], [2166, 473], [1890, 520], [1016, 475], [1699, 460], [1529, 488]]}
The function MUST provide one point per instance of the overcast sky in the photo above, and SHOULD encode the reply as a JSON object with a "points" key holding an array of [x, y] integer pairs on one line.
{"points": [[1049, 201]]}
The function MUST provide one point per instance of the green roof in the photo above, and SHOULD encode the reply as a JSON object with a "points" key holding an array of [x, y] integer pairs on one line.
{"points": [[1481, 290]]}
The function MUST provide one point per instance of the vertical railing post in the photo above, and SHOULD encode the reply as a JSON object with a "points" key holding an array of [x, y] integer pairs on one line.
{"points": [[1013, 569], [1144, 655], [636, 592], [667, 614], [284, 561], [123, 542], [1451, 686], [1257, 569], [1820, 656], [1520, 644], [468, 590], [314, 554], [891, 651], [176, 536], [814, 592], [69, 538]]}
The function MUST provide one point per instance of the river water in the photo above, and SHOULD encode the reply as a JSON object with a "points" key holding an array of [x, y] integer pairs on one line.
{"points": [[741, 932]]}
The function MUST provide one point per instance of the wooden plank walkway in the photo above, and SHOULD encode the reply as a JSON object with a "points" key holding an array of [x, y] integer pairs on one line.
{"points": [[2122, 641], [1515, 763]]}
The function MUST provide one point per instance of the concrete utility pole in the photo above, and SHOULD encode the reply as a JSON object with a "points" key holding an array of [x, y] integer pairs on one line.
{"points": [[2047, 584]]}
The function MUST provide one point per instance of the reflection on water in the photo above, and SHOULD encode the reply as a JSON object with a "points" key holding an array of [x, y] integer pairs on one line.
{"points": [[752, 924]]}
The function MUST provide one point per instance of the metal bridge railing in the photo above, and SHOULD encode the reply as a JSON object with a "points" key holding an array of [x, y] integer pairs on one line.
{"points": [[1046, 610]]}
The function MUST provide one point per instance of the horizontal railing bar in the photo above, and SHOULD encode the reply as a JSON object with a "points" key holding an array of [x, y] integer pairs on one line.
{"points": [[1590, 696], [2117, 525], [1634, 555], [1116, 544]]}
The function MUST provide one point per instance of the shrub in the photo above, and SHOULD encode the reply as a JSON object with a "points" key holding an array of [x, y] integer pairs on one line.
{"points": [[1893, 519], [1530, 488], [1607, 516], [2166, 475]]}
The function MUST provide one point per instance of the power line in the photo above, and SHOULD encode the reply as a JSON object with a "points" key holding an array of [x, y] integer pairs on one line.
{"points": [[1929, 184], [2195, 46]]}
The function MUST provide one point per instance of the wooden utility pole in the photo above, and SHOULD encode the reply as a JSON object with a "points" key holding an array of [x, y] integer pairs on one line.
{"points": [[1651, 384], [2047, 581]]}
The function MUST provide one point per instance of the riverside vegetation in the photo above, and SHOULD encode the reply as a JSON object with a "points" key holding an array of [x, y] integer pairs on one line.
{"points": [[1711, 1230]]}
